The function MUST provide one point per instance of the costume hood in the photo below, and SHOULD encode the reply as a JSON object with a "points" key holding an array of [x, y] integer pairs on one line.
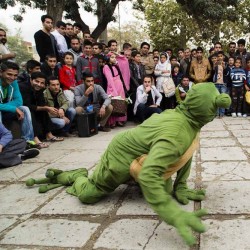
{"points": [[202, 102]]}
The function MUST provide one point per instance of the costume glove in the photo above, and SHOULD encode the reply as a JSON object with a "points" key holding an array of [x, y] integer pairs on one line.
{"points": [[184, 194], [185, 222]]}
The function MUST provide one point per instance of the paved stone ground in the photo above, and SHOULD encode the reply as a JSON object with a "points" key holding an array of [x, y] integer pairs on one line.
{"points": [[56, 220]]}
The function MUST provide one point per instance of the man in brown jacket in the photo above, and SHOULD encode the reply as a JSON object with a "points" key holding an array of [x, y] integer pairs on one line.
{"points": [[146, 59], [200, 69]]}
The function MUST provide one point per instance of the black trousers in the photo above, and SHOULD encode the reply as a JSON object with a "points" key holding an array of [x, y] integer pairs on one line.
{"points": [[11, 122], [41, 123], [9, 156]]}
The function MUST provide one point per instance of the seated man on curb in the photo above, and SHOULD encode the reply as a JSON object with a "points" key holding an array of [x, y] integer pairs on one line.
{"points": [[88, 93], [11, 102], [148, 100], [34, 99], [13, 152], [55, 98], [182, 89]]}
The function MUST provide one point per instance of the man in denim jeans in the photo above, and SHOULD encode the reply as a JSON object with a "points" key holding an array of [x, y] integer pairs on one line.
{"points": [[54, 97], [11, 101]]}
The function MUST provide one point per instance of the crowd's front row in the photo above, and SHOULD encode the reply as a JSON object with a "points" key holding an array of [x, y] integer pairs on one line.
{"points": [[40, 106]]}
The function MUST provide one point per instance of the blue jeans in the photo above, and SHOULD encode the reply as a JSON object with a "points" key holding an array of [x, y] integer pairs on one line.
{"points": [[26, 124], [222, 89], [60, 123]]}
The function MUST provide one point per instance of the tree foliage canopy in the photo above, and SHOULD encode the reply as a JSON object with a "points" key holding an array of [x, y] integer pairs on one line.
{"points": [[132, 32], [16, 44], [169, 25], [175, 23], [103, 9]]}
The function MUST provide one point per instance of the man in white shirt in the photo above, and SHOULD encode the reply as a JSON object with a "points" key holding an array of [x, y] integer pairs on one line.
{"points": [[5, 54], [59, 33]]}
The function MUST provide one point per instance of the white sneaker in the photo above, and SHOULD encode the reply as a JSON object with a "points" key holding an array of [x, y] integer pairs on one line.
{"points": [[244, 115], [239, 114], [234, 115]]}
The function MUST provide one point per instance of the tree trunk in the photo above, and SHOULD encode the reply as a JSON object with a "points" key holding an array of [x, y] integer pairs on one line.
{"points": [[105, 13], [55, 9], [75, 15]]}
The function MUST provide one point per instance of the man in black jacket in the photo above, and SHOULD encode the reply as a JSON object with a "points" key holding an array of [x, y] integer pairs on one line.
{"points": [[32, 93], [45, 41]]}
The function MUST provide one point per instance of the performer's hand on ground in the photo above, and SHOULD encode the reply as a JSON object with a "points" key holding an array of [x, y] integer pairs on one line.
{"points": [[183, 195], [185, 222]]}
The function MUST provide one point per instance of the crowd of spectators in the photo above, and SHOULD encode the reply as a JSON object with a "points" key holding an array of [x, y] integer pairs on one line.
{"points": [[75, 71]]}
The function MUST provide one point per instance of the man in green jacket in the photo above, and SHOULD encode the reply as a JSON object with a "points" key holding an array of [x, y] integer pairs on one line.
{"points": [[54, 97]]}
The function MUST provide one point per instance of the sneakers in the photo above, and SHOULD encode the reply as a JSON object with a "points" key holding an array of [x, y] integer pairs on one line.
{"points": [[244, 115], [239, 114], [29, 153], [234, 115], [104, 129]]}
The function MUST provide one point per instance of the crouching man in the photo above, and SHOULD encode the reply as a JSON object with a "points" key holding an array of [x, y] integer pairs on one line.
{"points": [[55, 98], [88, 93], [151, 153]]}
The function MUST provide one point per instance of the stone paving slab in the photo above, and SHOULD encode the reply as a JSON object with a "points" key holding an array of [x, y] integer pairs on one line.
{"points": [[166, 237], [48, 155], [225, 171], [87, 157], [19, 199], [6, 221], [127, 234], [17, 172], [233, 121], [69, 204], [245, 142], [51, 232], [215, 134], [238, 126], [227, 197], [214, 126], [135, 204], [226, 235], [222, 154], [248, 150], [123, 220], [241, 133], [214, 142]]}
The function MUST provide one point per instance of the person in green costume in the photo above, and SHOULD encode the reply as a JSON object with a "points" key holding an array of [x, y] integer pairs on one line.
{"points": [[167, 140]]}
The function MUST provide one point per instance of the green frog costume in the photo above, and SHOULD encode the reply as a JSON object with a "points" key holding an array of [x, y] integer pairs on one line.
{"points": [[151, 153]]}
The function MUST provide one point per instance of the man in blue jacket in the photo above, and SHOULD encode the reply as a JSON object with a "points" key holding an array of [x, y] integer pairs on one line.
{"points": [[11, 100]]}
